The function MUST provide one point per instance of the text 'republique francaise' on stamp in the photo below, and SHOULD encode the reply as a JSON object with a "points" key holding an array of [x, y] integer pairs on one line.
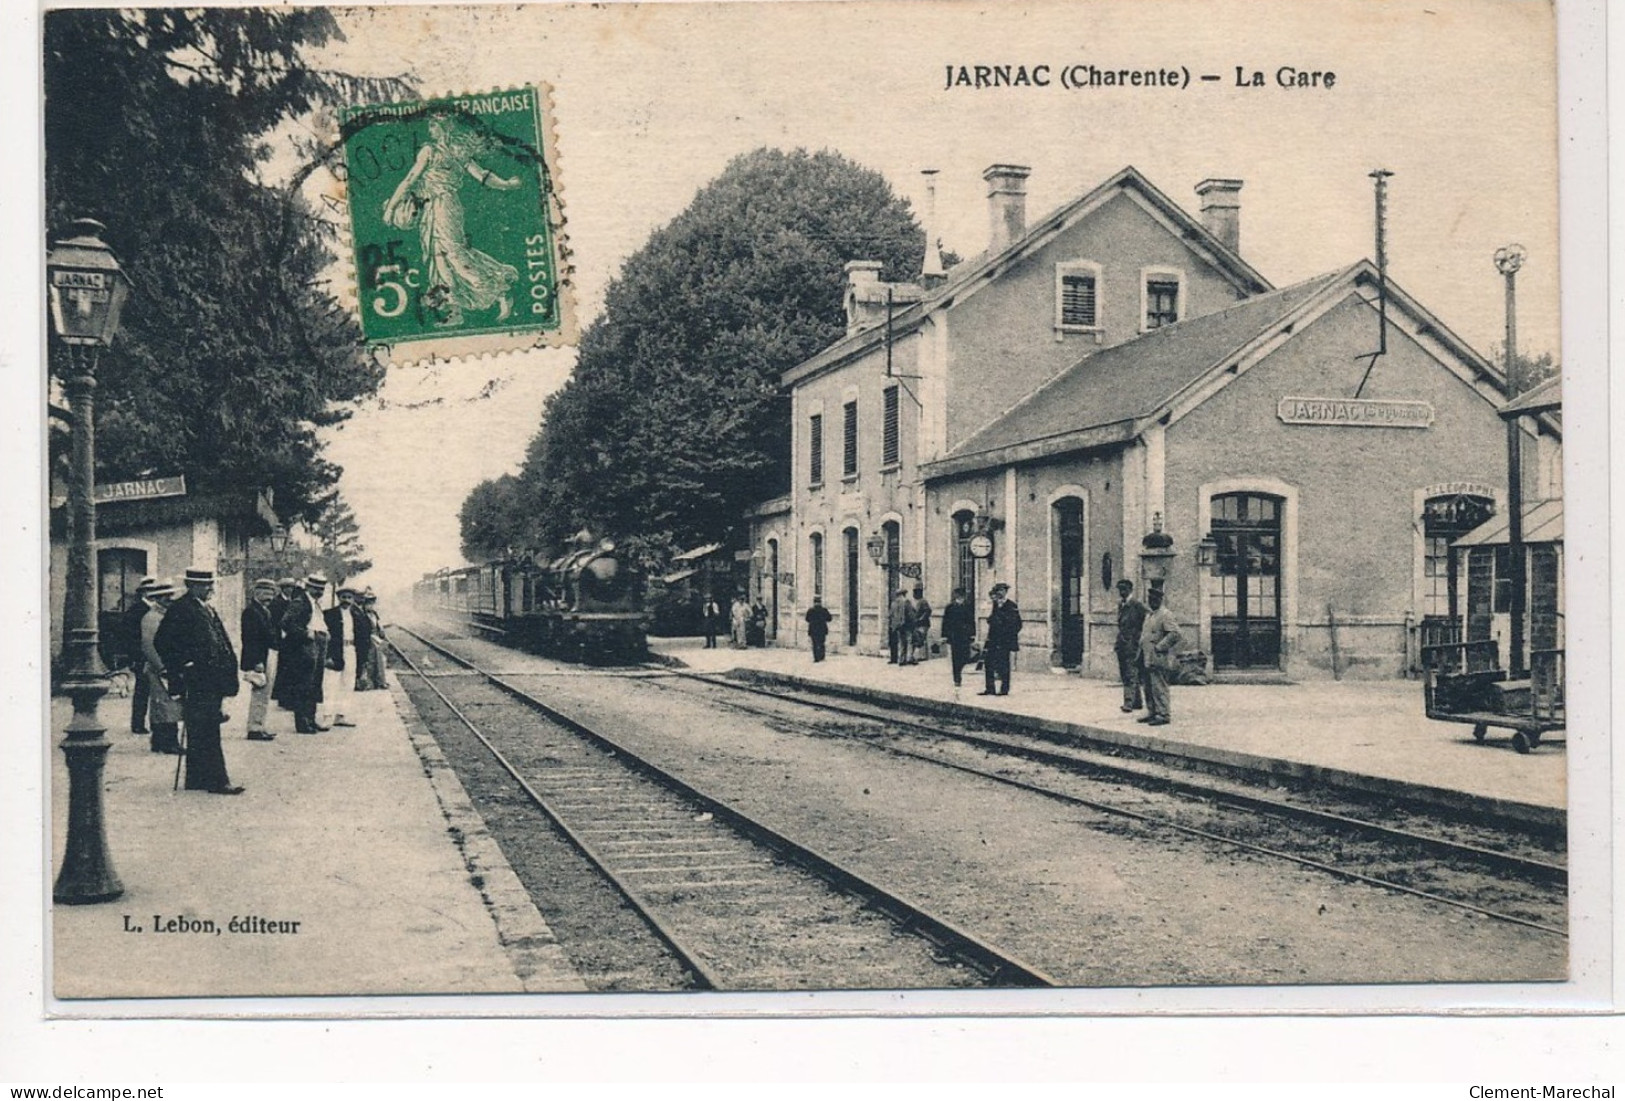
{"points": [[457, 225]]}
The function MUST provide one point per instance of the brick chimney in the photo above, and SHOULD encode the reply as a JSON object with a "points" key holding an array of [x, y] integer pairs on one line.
{"points": [[1221, 210], [931, 271], [1006, 204]]}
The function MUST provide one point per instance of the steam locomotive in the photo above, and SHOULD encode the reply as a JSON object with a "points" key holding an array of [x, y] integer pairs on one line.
{"points": [[587, 605]]}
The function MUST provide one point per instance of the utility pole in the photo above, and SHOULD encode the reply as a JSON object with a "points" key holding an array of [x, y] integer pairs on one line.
{"points": [[1507, 261]]}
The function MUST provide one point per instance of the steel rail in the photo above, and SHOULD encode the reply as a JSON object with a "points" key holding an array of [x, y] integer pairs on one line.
{"points": [[1156, 820], [1538, 871], [705, 978], [998, 966]]}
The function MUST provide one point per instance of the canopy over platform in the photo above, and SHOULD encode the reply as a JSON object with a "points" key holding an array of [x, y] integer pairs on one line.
{"points": [[1542, 523]]}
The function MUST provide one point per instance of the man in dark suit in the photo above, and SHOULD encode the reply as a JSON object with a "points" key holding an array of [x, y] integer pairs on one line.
{"points": [[1131, 614], [287, 588], [259, 636], [361, 628], [818, 618], [1003, 631], [202, 667], [959, 631], [304, 654]]}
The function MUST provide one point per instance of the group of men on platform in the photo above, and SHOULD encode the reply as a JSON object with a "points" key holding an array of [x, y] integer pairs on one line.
{"points": [[1148, 637], [186, 666]]}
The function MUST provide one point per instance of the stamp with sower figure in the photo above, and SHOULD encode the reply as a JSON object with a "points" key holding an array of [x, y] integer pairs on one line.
{"points": [[456, 224]]}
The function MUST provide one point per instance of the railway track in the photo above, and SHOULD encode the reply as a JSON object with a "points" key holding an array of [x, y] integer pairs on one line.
{"points": [[1338, 844], [740, 906]]}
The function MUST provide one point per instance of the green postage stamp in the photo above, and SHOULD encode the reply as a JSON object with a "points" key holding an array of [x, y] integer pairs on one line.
{"points": [[456, 220]]}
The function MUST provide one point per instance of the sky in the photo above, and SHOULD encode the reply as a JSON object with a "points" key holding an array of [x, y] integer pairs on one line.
{"points": [[650, 102]]}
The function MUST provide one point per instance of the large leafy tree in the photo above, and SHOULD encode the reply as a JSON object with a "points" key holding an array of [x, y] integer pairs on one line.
{"points": [[161, 123], [674, 420]]}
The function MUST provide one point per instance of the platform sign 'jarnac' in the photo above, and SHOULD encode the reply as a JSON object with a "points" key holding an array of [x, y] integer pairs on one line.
{"points": [[454, 217]]}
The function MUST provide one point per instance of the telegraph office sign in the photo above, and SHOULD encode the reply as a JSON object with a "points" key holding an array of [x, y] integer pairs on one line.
{"points": [[1356, 412]]}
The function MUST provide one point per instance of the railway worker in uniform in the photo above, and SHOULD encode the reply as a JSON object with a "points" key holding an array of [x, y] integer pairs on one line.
{"points": [[818, 618], [711, 620], [1158, 640], [1131, 613], [340, 658], [140, 691], [259, 639], [959, 631], [202, 668], [1003, 634], [304, 653], [900, 627], [164, 711], [919, 641], [361, 631]]}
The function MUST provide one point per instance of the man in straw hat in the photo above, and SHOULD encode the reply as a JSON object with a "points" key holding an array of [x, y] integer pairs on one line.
{"points": [[259, 635], [1003, 635], [304, 650], [202, 668], [164, 712]]}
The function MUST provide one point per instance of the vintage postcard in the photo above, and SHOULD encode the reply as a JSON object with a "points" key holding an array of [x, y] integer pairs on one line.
{"points": [[1048, 506]]}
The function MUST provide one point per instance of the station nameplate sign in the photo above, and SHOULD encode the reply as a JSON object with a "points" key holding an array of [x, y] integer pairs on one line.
{"points": [[1356, 412], [141, 489]]}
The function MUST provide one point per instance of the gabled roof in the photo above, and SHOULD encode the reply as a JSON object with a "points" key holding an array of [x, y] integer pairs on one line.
{"points": [[970, 276], [1545, 398], [1112, 395], [1128, 382]]}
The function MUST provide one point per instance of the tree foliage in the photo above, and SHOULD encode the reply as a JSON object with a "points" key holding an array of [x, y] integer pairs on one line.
{"points": [[159, 123], [338, 553], [674, 420]]}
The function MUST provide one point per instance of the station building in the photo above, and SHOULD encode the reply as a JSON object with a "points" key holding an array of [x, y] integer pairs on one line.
{"points": [[1115, 392], [159, 527]]}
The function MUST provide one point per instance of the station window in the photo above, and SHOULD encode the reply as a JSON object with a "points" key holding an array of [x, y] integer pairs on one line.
{"points": [[815, 449], [890, 448], [1161, 302], [849, 449], [817, 548], [1077, 295]]}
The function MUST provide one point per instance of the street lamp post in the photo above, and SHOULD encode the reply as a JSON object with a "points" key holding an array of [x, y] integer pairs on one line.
{"points": [[87, 291], [1507, 261]]}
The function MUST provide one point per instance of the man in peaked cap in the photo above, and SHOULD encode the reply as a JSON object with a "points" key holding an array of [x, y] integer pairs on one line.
{"points": [[202, 668], [130, 624], [259, 635], [304, 649]]}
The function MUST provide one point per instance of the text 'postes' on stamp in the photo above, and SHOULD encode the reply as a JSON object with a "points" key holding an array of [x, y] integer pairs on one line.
{"points": [[455, 218]]}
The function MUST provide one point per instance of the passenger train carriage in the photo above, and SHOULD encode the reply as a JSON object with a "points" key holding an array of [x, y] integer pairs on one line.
{"points": [[586, 605]]}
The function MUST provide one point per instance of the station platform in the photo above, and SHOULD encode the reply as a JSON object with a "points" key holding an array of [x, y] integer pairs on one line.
{"points": [[1369, 736], [361, 835]]}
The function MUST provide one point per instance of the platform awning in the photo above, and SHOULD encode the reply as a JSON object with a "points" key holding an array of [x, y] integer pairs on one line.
{"points": [[1542, 523]]}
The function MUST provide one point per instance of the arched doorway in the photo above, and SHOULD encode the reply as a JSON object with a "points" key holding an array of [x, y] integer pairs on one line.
{"points": [[964, 560], [1445, 518], [851, 558], [892, 532], [773, 590], [1246, 582], [1067, 524]]}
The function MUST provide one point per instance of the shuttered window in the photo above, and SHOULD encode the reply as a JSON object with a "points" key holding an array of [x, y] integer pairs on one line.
{"points": [[815, 449], [849, 450], [890, 449], [1078, 300]]}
